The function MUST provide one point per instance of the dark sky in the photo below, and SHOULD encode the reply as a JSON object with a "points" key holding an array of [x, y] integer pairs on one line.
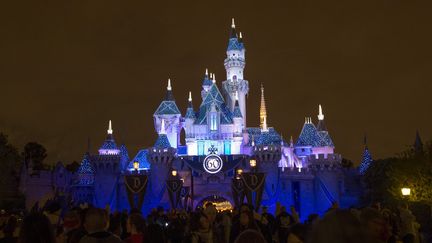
{"points": [[67, 67]]}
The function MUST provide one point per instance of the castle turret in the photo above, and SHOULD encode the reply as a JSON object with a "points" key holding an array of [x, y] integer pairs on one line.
{"points": [[188, 127], [169, 112], [109, 147], [160, 157], [235, 63], [418, 144], [207, 82], [83, 189], [238, 128], [325, 144]]}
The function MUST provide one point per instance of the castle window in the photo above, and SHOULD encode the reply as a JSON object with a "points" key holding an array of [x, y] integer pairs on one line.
{"points": [[200, 147], [227, 147], [213, 121]]}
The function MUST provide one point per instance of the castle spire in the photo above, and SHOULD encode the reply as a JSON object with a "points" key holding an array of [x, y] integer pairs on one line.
{"points": [[109, 131], [214, 78], [418, 144], [190, 97], [320, 114], [206, 72], [233, 33], [263, 111], [169, 88]]}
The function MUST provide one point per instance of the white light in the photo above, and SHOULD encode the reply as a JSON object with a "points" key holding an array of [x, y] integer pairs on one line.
{"points": [[169, 85], [109, 131], [320, 114], [232, 23], [174, 173], [406, 191], [214, 78], [190, 97]]}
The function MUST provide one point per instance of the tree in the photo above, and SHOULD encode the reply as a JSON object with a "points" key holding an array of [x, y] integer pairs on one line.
{"points": [[34, 154], [385, 178], [9, 174]]}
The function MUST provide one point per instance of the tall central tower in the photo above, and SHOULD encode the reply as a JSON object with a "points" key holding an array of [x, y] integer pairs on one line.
{"points": [[235, 63]]}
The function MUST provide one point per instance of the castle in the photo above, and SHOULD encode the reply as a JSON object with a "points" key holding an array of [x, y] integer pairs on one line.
{"points": [[218, 147]]}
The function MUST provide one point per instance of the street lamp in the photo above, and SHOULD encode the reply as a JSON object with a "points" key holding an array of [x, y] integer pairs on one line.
{"points": [[406, 191], [136, 165], [174, 173], [239, 171]]}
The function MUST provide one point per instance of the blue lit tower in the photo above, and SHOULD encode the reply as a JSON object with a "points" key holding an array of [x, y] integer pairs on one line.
{"points": [[418, 144], [267, 151], [160, 157], [170, 113], [83, 190], [109, 147], [206, 84], [234, 65], [366, 160]]}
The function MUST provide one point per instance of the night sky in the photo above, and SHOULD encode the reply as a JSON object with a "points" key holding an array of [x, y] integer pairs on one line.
{"points": [[67, 67]]}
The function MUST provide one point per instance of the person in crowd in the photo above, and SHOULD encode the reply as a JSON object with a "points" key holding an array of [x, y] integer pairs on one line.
{"points": [[9, 230], [200, 230], [115, 226], [73, 227], [298, 234], [136, 228], [246, 221], [340, 226], [374, 222], [36, 228], [408, 223], [249, 236], [96, 225], [283, 223]]}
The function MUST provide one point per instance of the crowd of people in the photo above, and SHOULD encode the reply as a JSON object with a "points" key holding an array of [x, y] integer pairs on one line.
{"points": [[208, 225]]}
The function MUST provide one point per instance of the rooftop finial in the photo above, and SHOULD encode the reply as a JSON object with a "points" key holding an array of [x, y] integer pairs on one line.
{"points": [[240, 35], [214, 78], [109, 131], [206, 72], [263, 111], [320, 114], [211, 75], [190, 97], [162, 129], [232, 23], [169, 85]]}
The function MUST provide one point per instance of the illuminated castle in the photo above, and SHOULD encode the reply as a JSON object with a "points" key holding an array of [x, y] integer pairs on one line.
{"points": [[305, 173]]}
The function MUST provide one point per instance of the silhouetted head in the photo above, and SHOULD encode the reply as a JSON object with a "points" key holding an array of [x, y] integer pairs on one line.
{"points": [[36, 228]]}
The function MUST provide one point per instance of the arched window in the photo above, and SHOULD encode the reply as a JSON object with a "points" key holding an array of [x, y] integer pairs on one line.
{"points": [[213, 121]]}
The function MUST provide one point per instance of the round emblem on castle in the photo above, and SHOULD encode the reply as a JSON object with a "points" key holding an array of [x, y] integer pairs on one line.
{"points": [[212, 163]]}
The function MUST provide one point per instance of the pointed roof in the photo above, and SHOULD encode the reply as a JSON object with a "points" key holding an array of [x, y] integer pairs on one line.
{"points": [[109, 142], [207, 80], [168, 105], [213, 97], [85, 166], [366, 160], [233, 42], [190, 113], [162, 141], [237, 112], [259, 137], [325, 140], [309, 135], [418, 144], [141, 157]]}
